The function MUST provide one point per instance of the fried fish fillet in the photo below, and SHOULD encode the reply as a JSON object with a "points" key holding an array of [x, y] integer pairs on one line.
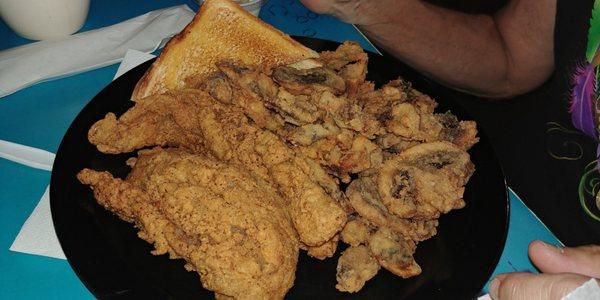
{"points": [[230, 227], [194, 120]]}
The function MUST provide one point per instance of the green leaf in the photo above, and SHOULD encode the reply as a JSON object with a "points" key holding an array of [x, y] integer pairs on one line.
{"points": [[594, 32]]}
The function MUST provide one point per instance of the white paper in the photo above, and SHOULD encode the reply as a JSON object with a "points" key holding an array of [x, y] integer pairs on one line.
{"points": [[132, 59], [26, 65], [587, 291], [37, 236], [29, 156]]}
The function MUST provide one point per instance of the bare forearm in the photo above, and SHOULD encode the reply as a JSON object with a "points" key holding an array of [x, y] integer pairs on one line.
{"points": [[497, 56], [462, 51]]}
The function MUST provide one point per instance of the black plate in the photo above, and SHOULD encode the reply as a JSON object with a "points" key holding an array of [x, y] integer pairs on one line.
{"points": [[112, 261]]}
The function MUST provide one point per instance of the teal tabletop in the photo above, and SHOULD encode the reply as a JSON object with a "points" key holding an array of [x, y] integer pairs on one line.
{"points": [[39, 115]]}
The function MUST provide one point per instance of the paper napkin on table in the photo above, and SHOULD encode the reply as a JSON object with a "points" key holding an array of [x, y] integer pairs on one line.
{"points": [[132, 59], [37, 236], [29, 64]]}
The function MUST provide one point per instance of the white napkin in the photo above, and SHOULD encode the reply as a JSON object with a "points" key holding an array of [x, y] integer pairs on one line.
{"points": [[132, 59], [29, 156], [589, 290], [26, 65], [37, 236]]}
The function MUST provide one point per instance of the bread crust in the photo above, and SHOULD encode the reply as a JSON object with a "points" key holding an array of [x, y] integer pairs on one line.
{"points": [[221, 30]]}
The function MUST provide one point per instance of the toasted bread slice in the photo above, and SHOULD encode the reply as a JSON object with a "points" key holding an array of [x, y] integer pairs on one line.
{"points": [[222, 30]]}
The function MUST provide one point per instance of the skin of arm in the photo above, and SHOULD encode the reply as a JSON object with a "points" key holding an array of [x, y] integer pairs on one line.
{"points": [[497, 56]]}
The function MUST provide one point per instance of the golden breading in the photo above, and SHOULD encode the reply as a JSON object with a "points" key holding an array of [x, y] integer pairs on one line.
{"points": [[355, 232], [298, 131], [230, 227], [225, 132], [323, 251], [355, 267], [420, 183], [364, 198], [394, 253], [405, 181], [322, 125]]}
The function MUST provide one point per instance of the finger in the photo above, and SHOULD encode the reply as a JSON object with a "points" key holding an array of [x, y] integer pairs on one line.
{"points": [[584, 260], [522, 286]]}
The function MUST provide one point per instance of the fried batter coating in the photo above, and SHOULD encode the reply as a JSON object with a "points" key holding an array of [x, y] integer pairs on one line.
{"points": [[292, 129], [162, 120], [318, 120], [394, 144], [407, 121], [363, 196], [461, 133], [348, 115], [308, 134], [424, 181], [405, 180], [355, 267], [348, 52], [230, 227], [408, 115], [394, 253], [309, 81], [399, 190], [221, 89], [380, 102], [440, 157], [323, 251], [355, 232], [226, 133], [344, 153]]}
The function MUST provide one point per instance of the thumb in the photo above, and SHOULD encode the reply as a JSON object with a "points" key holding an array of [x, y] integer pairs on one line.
{"points": [[528, 286], [584, 260]]}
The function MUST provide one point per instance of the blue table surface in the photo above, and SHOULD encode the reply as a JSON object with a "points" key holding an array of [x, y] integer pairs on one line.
{"points": [[39, 116]]}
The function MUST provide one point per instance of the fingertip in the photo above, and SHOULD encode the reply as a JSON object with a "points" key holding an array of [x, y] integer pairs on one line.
{"points": [[545, 256], [538, 246], [535, 244], [494, 286], [501, 277]]}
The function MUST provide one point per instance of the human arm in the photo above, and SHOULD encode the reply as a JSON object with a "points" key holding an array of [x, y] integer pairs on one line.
{"points": [[500, 55]]}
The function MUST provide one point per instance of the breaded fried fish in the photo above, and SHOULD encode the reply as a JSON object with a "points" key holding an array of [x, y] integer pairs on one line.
{"points": [[230, 226]]}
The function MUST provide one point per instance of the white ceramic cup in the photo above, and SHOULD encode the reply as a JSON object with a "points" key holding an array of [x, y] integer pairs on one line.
{"points": [[44, 19]]}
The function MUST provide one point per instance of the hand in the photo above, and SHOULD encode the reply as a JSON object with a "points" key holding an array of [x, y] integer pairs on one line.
{"points": [[564, 269], [359, 12]]}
